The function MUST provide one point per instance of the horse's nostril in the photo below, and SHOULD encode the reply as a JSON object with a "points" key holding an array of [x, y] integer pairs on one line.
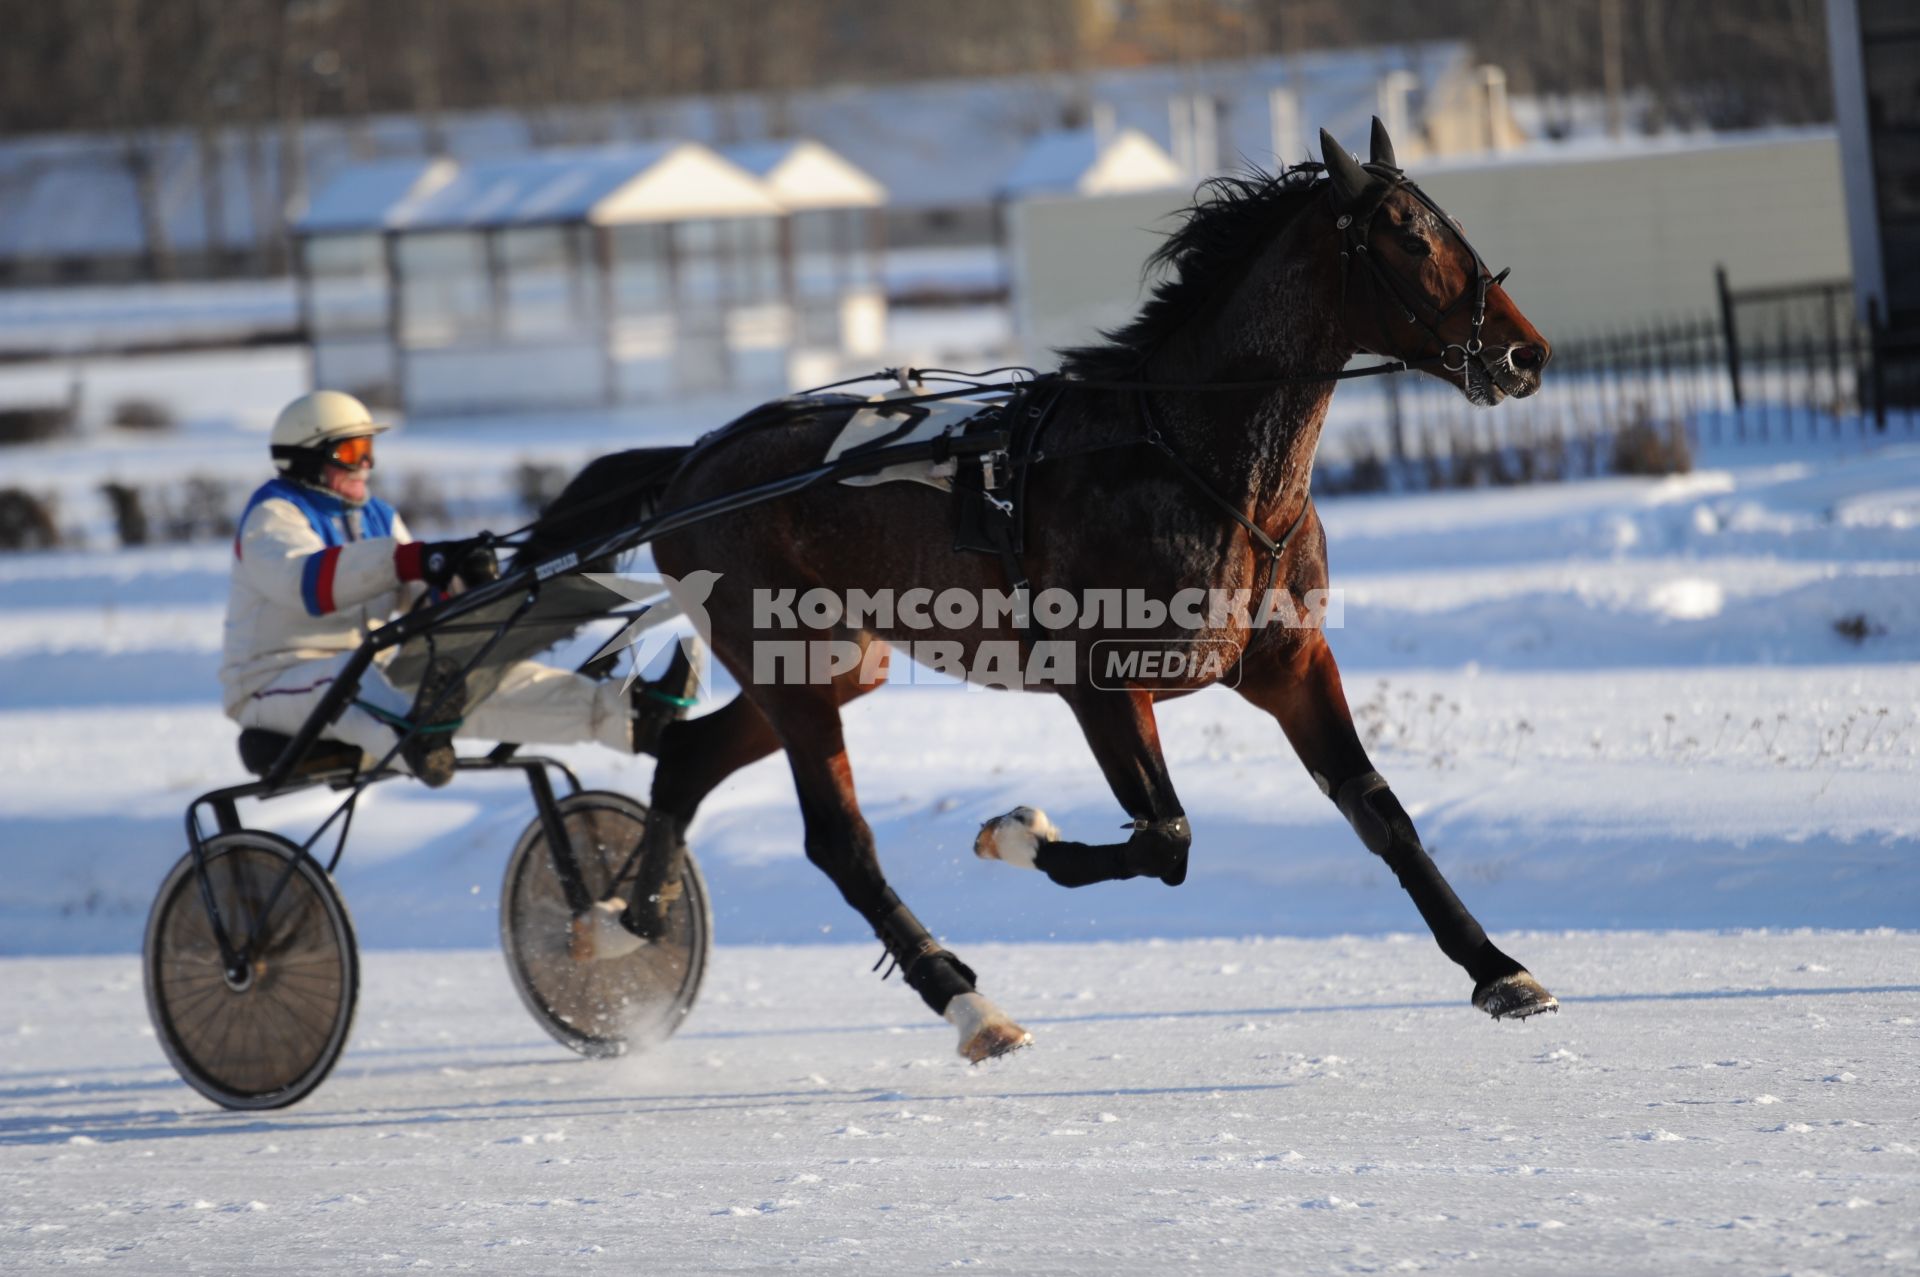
{"points": [[1526, 357]]}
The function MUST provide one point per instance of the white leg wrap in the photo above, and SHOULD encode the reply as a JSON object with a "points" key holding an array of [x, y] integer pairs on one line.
{"points": [[985, 1030], [1015, 838], [598, 935]]}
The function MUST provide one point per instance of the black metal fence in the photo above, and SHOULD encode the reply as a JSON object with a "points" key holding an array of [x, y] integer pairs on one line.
{"points": [[1777, 365]]}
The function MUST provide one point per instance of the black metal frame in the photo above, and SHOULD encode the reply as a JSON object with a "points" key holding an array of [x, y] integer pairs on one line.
{"points": [[222, 806]]}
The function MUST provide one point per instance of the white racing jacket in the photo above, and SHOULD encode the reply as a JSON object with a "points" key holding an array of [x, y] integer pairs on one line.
{"points": [[311, 576]]}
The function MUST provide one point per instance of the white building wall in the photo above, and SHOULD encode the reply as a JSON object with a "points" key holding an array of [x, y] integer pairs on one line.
{"points": [[1597, 241], [357, 365], [503, 377]]}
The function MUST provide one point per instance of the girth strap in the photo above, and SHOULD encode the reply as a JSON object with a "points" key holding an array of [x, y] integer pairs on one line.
{"points": [[996, 522], [1004, 534]]}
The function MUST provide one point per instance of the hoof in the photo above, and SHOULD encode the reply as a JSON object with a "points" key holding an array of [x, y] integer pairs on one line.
{"points": [[1015, 837], [985, 1030], [598, 934], [1514, 997]]}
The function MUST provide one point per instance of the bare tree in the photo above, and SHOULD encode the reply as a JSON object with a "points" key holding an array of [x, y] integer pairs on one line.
{"points": [[117, 48], [167, 78]]}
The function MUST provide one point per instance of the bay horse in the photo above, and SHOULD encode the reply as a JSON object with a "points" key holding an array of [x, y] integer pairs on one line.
{"points": [[1275, 281]]}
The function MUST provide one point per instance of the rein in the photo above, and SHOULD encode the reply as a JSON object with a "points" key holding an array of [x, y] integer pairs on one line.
{"points": [[796, 409]]}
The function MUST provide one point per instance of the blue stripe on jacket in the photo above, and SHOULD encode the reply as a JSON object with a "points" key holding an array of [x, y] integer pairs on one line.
{"points": [[327, 516]]}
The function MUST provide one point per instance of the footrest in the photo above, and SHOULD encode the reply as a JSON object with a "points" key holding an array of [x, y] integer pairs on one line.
{"points": [[260, 749]]}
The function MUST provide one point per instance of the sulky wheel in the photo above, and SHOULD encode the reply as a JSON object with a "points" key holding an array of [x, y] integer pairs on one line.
{"points": [[268, 1038], [613, 1005]]}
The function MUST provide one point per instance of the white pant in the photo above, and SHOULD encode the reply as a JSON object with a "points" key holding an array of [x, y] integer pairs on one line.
{"points": [[533, 703]]}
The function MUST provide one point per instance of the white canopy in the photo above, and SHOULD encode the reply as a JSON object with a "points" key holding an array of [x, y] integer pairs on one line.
{"points": [[360, 198], [803, 174], [602, 186], [1074, 161]]}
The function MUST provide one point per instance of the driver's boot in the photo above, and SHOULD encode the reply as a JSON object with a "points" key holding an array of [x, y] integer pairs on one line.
{"points": [[442, 694], [660, 702]]}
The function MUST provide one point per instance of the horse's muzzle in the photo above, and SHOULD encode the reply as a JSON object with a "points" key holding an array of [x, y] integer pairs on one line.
{"points": [[1517, 369]]}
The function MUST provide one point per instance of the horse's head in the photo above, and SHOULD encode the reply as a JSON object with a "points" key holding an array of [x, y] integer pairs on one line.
{"points": [[1414, 289]]}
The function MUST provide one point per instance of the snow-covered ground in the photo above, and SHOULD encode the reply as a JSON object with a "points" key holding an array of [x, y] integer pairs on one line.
{"points": [[90, 317], [1612, 705], [1726, 1103]]}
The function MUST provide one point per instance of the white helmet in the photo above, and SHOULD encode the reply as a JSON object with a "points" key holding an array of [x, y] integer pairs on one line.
{"points": [[311, 424]]}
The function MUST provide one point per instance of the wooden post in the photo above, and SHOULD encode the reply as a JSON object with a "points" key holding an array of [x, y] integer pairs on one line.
{"points": [[670, 239], [496, 284], [789, 280], [609, 320], [396, 315], [303, 296]]}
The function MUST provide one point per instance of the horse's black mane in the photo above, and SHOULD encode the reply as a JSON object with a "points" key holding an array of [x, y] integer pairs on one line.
{"points": [[1224, 227]]}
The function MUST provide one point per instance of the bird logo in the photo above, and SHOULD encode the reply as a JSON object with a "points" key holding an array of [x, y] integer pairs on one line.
{"points": [[664, 598]]}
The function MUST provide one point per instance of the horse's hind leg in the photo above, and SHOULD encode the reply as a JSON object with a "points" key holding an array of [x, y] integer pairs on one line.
{"points": [[1302, 690], [807, 719], [696, 755], [1120, 729]]}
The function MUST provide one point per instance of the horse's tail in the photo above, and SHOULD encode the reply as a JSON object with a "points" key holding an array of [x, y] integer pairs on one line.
{"points": [[612, 492]]}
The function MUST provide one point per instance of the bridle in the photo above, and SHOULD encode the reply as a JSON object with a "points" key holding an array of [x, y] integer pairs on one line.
{"points": [[1356, 228]]}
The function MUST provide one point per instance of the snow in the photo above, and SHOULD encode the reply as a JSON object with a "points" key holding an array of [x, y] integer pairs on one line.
{"points": [[1611, 706], [1081, 160], [973, 268], [803, 174], [360, 197], [1737, 1102], [87, 318], [547, 187]]}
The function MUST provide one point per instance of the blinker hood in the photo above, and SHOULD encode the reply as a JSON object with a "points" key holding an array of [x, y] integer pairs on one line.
{"points": [[1359, 188]]}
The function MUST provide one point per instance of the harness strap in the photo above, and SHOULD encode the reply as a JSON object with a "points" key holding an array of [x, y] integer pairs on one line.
{"points": [[1024, 449], [1026, 416], [1155, 439], [1355, 226]]}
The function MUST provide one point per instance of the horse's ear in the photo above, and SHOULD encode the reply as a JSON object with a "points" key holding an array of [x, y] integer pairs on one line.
{"points": [[1349, 179], [1382, 145]]}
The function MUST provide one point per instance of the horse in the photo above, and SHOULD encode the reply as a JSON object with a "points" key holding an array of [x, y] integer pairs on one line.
{"points": [[1177, 455]]}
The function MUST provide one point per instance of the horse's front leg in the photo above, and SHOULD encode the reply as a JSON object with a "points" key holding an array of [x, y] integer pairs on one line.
{"points": [[1120, 729], [1301, 688]]}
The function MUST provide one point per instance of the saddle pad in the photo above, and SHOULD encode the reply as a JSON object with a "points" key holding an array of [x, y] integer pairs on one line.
{"points": [[883, 425]]}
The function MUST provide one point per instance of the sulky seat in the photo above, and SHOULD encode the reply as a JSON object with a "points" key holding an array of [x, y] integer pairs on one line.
{"points": [[260, 749]]}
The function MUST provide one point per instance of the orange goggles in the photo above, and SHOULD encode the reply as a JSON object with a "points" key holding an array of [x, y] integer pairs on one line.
{"points": [[352, 452]]}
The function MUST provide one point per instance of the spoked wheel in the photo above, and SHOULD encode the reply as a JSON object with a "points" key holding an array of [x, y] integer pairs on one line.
{"points": [[266, 1039], [611, 1005]]}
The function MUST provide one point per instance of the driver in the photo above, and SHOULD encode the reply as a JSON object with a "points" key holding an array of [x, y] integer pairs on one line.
{"points": [[318, 561]]}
